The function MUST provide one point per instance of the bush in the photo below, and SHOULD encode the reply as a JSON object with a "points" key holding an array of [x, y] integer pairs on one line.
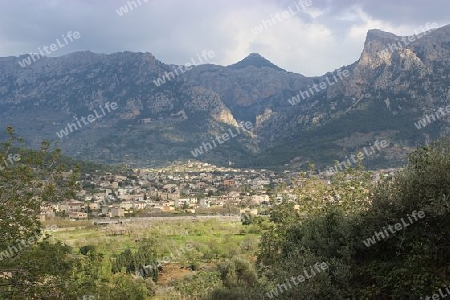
{"points": [[85, 249], [194, 266]]}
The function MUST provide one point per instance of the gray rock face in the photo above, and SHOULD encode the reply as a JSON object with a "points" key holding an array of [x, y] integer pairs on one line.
{"points": [[164, 112]]}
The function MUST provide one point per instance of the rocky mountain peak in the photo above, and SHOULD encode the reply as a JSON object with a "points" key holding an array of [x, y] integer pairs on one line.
{"points": [[256, 60], [377, 34], [164, 117]]}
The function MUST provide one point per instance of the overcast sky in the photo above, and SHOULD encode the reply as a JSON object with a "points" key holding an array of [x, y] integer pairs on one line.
{"points": [[310, 40]]}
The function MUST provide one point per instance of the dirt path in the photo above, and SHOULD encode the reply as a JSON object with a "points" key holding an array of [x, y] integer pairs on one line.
{"points": [[172, 271]]}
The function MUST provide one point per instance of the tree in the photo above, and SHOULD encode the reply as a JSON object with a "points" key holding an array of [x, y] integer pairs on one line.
{"points": [[336, 220], [37, 177], [198, 285], [239, 280], [142, 263], [418, 254], [31, 265], [128, 288], [318, 232]]}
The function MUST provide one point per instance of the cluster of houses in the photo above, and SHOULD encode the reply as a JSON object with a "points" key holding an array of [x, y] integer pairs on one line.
{"points": [[191, 187]]}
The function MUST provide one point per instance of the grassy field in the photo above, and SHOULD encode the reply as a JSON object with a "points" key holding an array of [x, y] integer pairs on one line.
{"points": [[188, 246]]}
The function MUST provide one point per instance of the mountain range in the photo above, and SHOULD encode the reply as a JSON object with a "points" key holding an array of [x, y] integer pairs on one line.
{"points": [[396, 91]]}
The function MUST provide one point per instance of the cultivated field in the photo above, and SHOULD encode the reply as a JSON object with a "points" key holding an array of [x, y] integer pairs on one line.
{"points": [[186, 245]]}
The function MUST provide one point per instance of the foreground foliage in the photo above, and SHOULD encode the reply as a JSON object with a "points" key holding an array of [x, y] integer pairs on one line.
{"points": [[411, 263], [329, 223]]}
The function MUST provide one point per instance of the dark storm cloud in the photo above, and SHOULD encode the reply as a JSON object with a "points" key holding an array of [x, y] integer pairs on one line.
{"points": [[325, 36]]}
